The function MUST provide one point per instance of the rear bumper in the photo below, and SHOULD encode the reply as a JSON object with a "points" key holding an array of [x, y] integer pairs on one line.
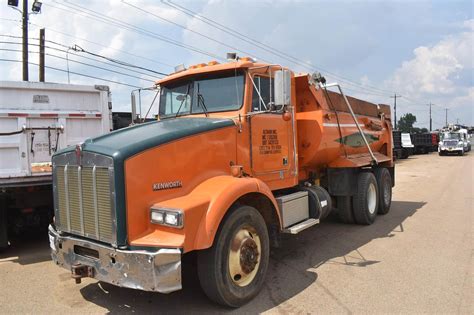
{"points": [[158, 271]]}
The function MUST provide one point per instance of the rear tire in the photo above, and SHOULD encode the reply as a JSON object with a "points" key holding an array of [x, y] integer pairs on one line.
{"points": [[365, 201], [232, 271], [384, 182], [344, 209]]}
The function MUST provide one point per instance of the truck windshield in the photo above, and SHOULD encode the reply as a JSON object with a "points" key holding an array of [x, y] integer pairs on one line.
{"points": [[450, 135], [203, 94]]}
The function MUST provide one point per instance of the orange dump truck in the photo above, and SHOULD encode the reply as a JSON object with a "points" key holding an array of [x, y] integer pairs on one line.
{"points": [[241, 152]]}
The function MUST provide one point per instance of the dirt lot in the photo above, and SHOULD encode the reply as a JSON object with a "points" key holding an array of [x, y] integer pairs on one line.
{"points": [[418, 258]]}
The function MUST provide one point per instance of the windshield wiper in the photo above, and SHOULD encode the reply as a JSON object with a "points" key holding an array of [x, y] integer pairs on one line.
{"points": [[185, 97], [201, 100]]}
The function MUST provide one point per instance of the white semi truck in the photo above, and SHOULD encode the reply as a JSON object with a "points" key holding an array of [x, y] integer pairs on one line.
{"points": [[454, 139], [36, 120]]}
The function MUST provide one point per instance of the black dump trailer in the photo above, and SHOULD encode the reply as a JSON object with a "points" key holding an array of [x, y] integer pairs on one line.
{"points": [[397, 144], [422, 141]]}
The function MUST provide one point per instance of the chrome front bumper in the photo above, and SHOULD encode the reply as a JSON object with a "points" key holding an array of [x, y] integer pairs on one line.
{"points": [[450, 149], [158, 271]]}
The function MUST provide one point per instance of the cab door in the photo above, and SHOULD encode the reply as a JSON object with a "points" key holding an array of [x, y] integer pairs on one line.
{"points": [[271, 137], [270, 144]]}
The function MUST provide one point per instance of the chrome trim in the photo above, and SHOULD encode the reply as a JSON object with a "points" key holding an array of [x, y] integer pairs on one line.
{"points": [[156, 271], [81, 209], [91, 161], [96, 207], [55, 195], [66, 189], [113, 214]]}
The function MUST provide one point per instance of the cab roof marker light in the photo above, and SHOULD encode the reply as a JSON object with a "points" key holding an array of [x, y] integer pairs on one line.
{"points": [[179, 68]]}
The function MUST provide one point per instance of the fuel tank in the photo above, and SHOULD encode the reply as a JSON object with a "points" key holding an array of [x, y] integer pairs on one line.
{"points": [[327, 132]]}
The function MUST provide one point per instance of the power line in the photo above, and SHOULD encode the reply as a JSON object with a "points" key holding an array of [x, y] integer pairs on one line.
{"points": [[130, 27], [104, 46], [82, 63], [81, 56], [76, 73], [265, 47], [189, 29]]}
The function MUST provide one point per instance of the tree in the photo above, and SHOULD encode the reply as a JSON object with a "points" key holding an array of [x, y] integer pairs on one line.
{"points": [[405, 124], [418, 130]]}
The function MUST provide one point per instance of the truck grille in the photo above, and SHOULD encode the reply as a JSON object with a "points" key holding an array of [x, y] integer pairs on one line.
{"points": [[84, 198]]}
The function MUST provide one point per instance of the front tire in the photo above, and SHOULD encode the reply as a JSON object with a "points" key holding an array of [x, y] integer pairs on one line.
{"points": [[232, 271], [365, 201]]}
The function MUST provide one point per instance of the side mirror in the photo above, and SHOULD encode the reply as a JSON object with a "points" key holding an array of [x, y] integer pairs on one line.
{"points": [[282, 88], [134, 108]]}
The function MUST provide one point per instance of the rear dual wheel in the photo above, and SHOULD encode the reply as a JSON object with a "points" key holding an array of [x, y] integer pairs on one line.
{"points": [[365, 202], [233, 270], [373, 196]]}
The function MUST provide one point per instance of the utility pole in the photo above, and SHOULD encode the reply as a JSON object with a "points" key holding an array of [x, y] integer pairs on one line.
{"points": [[41, 55], [395, 108], [431, 121], [35, 9], [24, 27], [446, 117]]}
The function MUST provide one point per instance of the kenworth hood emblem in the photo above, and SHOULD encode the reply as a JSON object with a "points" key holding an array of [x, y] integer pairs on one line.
{"points": [[167, 185]]}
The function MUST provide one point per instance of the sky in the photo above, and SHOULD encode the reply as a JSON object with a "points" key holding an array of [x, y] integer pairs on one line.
{"points": [[420, 50]]}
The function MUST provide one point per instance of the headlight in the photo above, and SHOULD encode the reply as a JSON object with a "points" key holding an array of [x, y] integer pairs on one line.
{"points": [[460, 144], [167, 217]]}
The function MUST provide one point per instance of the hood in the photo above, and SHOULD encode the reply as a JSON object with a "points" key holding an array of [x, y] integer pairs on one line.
{"points": [[126, 142]]}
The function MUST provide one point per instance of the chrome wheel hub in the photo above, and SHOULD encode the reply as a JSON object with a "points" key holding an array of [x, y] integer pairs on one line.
{"points": [[371, 198], [244, 256]]}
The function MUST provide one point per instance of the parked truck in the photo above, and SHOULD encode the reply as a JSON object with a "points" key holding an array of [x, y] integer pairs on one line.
{"points": [[397, 144], [402, 145], [454, 139], [241, 153], [434, 141], [37, 120], [422, 142], [407, 146]]}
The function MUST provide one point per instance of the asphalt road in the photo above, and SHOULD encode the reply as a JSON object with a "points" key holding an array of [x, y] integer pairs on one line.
{"points": [[417, 258]]}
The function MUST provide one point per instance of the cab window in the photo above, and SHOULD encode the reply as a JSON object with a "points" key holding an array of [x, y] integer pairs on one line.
{"points": [[264, 86]]}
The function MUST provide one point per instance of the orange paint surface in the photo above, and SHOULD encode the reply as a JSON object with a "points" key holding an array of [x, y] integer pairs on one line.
{"points": [[263, 145]]}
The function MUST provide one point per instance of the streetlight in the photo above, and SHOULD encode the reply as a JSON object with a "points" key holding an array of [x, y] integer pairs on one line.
{"points": [[35, 9]]}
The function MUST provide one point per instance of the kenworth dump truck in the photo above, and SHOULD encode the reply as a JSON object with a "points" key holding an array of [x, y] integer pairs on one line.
{"points": [[241, 152], [36, 120]]}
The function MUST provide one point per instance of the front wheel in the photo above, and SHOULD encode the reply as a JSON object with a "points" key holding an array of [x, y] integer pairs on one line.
{"points": [[233, 270]]}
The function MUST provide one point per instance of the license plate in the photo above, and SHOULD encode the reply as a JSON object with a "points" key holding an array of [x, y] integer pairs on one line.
{"points": [[51, 242]]}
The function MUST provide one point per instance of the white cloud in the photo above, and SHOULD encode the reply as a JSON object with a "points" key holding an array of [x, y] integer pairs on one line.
{"points": [[434, 69]]}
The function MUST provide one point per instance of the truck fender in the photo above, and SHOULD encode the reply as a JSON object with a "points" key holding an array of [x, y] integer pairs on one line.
{"points": [[226, 190]]}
